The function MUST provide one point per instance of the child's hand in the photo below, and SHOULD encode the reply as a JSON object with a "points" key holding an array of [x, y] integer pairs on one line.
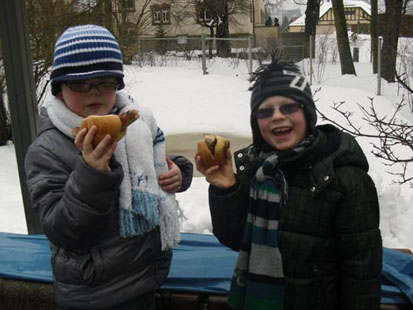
{"points": [[220, 176], [171, 181], [99, 157]]}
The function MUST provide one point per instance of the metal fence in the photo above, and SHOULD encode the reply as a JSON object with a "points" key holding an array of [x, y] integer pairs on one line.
{"points": [[187, 48], [211, 41], [155, 51], [292, 46]]}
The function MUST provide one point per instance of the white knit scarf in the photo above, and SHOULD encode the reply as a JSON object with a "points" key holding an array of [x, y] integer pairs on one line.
{"points": [[143, 204]]}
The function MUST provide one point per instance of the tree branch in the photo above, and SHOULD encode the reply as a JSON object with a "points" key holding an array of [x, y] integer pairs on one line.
{"points": [[392, 134]]}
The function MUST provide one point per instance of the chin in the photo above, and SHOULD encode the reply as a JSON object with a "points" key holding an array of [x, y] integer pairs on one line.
{"points": [[283, 146], [95, 112]]}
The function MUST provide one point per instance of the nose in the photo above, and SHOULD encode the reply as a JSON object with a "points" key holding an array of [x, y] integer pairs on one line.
{"points": [[94, 89], [277, 114]]}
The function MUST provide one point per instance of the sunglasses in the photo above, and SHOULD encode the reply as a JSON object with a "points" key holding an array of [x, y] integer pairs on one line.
{"points": [[285, 109], [84, 87]]}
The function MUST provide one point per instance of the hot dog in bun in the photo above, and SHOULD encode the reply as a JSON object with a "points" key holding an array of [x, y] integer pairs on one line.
{"points": [[111, 124], [213, 149]]}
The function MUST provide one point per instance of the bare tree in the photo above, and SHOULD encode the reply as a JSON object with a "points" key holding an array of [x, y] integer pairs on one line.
{"points": [[325, 51], [312, 15], [47, 20], [216, 15], [404, 72], [374, 33], [5, 126], [347, 65], [106, 7], [393, 136], [128, 27], [407, 7], [390, 38], [223, 46]]}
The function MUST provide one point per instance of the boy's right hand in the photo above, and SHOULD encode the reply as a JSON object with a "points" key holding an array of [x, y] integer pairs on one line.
{"points": [[98, 157], [220, 176]]}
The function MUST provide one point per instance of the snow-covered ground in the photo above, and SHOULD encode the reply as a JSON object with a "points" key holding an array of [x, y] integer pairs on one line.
{"points": [[185, 101]]}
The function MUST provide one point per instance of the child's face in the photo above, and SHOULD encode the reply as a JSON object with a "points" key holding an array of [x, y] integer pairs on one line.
{"points": [[282, 131], [84, 101]]}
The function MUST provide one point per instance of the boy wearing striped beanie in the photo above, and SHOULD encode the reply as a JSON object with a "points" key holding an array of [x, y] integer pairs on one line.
{"points": [[109, 211]]}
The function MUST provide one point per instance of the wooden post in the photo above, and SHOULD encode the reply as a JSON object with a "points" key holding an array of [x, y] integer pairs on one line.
{"points": [[20, 90], [380, 40], [204, 69], [250, 54], [311, 60]]}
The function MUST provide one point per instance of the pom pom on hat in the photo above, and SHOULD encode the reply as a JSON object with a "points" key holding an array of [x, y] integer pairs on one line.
{"points": [[86, 52]]}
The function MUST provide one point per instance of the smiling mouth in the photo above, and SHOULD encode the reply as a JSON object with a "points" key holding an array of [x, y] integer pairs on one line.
{"points": [[95, 105], [281, 131]]}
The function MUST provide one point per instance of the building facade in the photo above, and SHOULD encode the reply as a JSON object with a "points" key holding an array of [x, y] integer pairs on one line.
{"points": [[187, 17], [357, 17]]}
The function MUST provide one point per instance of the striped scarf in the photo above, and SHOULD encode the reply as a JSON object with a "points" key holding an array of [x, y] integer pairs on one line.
{"points": [[258, 279]]}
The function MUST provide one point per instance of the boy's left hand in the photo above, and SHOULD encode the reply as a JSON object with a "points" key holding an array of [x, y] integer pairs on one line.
{"points": [[171, 181]]}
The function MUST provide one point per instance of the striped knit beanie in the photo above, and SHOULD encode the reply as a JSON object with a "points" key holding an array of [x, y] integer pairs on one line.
{"points": [[86, 52], [280, 79]]}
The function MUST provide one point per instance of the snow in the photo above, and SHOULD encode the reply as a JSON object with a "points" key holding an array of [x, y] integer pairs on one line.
{"points": [[184, 100]]}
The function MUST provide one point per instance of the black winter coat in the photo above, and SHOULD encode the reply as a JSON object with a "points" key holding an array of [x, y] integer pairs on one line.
{"points": [[93, 267], [328, 231]]}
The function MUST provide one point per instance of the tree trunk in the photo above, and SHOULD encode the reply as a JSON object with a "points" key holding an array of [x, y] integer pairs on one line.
{"points": [[211, 35], [123, 39], [223, 46], [391, 38], [5, 126], [347, 66], [312, 14], [374, 34], [108, 15]]}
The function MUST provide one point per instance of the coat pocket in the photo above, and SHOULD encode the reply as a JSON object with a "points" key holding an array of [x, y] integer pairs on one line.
{"points": [[90, 267], [78, 268]]}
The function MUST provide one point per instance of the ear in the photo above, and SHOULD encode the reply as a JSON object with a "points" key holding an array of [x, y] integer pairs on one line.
{"points": [[59, 94]]}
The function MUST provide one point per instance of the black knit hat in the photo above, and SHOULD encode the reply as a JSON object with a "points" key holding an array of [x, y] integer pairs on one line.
{"points": [[86, 52], [280, 78]]}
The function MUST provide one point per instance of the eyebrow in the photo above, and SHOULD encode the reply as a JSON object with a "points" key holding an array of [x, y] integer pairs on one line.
{"points": [[99, 80], [282, 103]]}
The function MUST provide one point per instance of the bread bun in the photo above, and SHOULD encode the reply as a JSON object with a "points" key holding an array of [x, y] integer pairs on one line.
{"points": [[213, 150], [111, 124]]}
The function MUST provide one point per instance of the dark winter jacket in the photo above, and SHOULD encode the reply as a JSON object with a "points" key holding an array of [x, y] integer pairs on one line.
{"points": [[328, 230], [93, 267]]}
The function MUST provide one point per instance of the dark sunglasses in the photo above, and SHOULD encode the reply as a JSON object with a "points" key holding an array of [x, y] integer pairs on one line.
{"points": [[84, 87], [285, 109]]}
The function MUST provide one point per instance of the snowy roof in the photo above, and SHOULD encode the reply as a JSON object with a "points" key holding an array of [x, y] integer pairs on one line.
{"points": [[327, 5]]}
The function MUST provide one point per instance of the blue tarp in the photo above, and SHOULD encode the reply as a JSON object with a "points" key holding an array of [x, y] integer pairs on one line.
{"points": [[397, 273], [200, 264]]}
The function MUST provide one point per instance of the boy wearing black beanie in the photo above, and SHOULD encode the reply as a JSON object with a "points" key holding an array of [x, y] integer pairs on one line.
{"points": [[300, 209]]}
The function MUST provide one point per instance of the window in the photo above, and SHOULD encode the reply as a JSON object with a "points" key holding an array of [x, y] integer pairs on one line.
{"points": [[350, 13], [132, 29], [165, 15], [156, 15], [161, 14], [364, 15], [128, 5]]}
